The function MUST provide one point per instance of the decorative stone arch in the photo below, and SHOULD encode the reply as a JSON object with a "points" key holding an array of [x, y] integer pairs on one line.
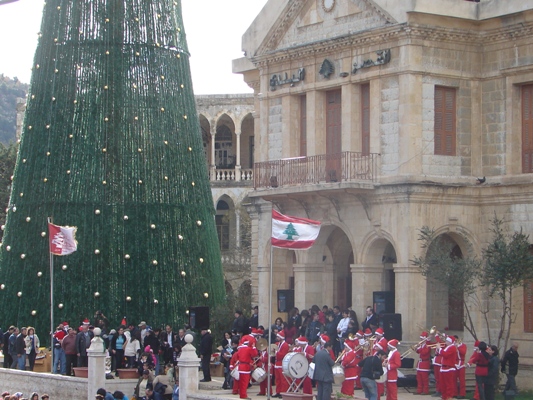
{"points": [[442, 309], [205, 130], [247, 141], [375, 274]]}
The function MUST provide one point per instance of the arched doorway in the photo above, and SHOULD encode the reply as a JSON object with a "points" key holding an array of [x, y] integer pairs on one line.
{"points": [[341, 254]]}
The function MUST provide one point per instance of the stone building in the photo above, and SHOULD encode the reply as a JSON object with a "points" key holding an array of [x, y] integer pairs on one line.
{"points": [[376, 117]]}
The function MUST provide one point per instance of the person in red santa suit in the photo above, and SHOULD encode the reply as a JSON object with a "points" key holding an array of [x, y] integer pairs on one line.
{"points": [[437, 362], [323, 340], [244, 356], [263, 363], [359, 354], [383, 346], [349, 362], [461, 370], [233, 365], [282, 385], [392, 364], [302, 346], [447, 369], [471, 361], [424, 365]]}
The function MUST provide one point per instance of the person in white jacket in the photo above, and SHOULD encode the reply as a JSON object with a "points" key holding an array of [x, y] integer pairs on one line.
{"points": [[132, 349], [32, 346]]}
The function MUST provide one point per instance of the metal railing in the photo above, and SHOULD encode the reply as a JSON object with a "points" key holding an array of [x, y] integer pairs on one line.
{"points": [[323, 168]]}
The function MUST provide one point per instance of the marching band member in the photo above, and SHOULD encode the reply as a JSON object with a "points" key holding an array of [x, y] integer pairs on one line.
{"points": [[382, 345], [392, 363], [322, 345], [461, 370], [368, 345], [283, 348], [447, 369], [349, 362], [423, 366], [244, 356], [359, 354], [263, 362], [437, 362], [309, 352], [379, 333], [471, 361]]}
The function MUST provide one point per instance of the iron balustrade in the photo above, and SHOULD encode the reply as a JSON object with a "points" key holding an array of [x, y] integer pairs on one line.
{"points": [[341, 167]]}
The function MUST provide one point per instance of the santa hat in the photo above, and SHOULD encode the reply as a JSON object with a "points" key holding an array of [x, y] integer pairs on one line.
{"points": [[324, 339], [382, 344], [393, 343], [476, 344], [65, 324], [302, 340], [360, 333], [368, 332], [281, 335], [350, 343], [424, 335], [86, 322], [254, 331], [260, 332], [450, 339], [380, 332], [124, 322]]}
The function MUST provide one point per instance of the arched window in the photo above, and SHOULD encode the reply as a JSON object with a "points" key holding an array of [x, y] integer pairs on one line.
{"points": [[224, 156], [222, 222]]}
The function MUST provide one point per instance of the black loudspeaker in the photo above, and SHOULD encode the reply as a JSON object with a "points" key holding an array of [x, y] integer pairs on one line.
{"points": [[392, 326], [285, 300], [383, 302], [199, 317]]}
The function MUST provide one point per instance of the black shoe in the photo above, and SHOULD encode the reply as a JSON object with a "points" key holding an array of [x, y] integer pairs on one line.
{"points": [[205, 380]]}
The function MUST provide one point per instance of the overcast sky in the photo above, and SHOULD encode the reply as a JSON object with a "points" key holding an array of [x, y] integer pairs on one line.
{"points": [[214, 30]]}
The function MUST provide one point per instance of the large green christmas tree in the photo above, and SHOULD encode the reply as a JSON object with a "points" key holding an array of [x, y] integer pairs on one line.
{"points": [[111, 144]]}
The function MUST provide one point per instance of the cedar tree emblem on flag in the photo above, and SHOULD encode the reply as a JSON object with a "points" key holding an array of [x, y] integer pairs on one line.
{"points": [[62, 239], [293, 232]]}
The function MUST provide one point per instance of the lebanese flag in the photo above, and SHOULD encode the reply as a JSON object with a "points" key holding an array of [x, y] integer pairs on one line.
{"points": [[293, 232], [62, 239]]}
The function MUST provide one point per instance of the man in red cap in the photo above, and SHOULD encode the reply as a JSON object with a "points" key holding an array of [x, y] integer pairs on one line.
{"points": [[323, 340], [424, 365], [447, 370], [437, 362], [461, 370], [349, 363], [283, 348], [382, 345], [392, 363], [359, 355], [309, 352]]}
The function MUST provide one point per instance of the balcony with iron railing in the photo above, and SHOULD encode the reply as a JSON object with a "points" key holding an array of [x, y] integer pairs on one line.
{"points": [[347, 166]]}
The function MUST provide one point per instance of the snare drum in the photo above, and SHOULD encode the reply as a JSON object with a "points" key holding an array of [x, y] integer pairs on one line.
{"points": [[311, 370], [259, 374], [295, 365], [338, 374], [235, 373]]}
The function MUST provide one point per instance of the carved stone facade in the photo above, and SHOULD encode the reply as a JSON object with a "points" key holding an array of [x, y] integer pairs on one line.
{"points": [[362, 149]]}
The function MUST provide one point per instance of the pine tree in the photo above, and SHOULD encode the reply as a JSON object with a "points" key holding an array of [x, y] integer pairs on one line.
{"points": [[290, 231], [111, 144]]}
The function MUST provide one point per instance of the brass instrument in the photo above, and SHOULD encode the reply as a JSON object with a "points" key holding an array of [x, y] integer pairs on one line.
{"points": [[340, 356], [435, 345], [459, 341]]}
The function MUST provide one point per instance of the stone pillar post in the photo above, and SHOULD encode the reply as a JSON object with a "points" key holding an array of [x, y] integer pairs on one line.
{"points": [[365, 280], [412, 306], [188, 363], [238, 157], [309, 283], [96, 354], [213, 166]]}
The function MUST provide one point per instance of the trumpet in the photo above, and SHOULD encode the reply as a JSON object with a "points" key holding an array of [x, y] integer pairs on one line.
{"points": [[435, 345], [340, 356]]}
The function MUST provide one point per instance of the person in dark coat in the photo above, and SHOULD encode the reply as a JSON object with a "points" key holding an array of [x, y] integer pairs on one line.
{"points": [[83, 341], [239, 322], [509, 366], [324, 373], [371, 320], [206, 349], [8, 360], [371, 369]]}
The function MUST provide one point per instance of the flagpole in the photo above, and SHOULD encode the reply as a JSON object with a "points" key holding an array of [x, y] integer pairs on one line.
{"points": [[270, 324], [51, 299]]}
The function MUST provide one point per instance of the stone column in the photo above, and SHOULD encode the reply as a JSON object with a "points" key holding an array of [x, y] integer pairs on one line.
{"points": [[411, 286], [366, 279], [188, 364], [213, 166], [96, 354], [309, 283], [238, 157]]}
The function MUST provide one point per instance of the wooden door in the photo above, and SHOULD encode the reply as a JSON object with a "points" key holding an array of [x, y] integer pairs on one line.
{"points": [[527, 129]]}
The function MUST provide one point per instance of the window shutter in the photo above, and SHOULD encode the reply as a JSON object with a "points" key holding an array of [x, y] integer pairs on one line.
{"points": [[445, 121], [303, 125], [527, 129], [365, 119], [528, 307]]}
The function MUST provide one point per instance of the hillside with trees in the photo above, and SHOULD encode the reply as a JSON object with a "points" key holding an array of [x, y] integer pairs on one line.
{"points": [[10, 90]]}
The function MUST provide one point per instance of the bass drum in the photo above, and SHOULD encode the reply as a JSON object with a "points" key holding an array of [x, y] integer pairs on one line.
{"points": [[383, 378], [311, 370], [338, 374], [259, 374], [295, 365]]}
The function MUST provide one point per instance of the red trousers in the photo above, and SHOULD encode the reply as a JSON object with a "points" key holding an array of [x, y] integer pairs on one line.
{"points": [[244, 380], [281, 382], [436, 373], [422, 380], [392, 391], [476, 393], [347, 387], [307, 386], [235, 387], [447, 384], [381, 389], [461, 377], [263, 386]]}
